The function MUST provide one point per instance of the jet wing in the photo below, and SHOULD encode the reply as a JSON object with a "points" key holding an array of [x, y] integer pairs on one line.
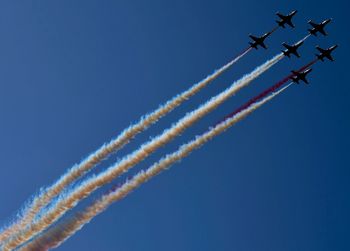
{"points": [[313, 24], [296, 54], [289, 22], [281, 16], [329, 57], [321, 30], [263, 45], [302, 77], [253, 37]]}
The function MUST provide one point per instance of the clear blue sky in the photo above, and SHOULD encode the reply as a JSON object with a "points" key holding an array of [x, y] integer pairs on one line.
{"points": [[73, 74]]}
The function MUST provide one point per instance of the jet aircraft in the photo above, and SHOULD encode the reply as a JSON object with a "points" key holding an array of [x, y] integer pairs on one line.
{"points": [[300, 76], [326, 53], [286, 19], [318, 27], [292, 49], [259, 41]]}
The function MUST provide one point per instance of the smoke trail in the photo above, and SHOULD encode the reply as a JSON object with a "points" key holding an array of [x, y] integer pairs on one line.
{"points": [[267, 91], [274, 29], [87, 164], [53, 237], [132, 159], [58, 234], [306, 37]]}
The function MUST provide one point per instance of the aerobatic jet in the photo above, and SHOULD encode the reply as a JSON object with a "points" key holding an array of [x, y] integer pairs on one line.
{"points": [[300, 76], [292, 49], [286, 19], [259, 41], [326, 53], [318, 27]]}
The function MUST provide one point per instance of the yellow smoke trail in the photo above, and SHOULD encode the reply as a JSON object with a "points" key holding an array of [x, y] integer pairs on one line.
{"points": [[60, 233], [87, 164], [93, 183]]}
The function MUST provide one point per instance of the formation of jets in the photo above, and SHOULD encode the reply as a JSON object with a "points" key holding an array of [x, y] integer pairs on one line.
{"points": [[316, 28]]}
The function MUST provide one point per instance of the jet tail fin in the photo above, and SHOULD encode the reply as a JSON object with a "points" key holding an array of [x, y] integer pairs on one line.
{"points": [[280, 23], [312, 32], [295, 80], [319, 57], [285, 52], [330, 58], [253, 45]]}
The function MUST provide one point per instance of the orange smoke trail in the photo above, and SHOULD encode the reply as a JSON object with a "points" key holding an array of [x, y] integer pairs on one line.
{"points": [[134, 158], [59, 234], [105, 150]]}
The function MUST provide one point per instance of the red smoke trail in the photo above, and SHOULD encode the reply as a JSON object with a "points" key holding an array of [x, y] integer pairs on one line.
{"points": [[266, 92]]}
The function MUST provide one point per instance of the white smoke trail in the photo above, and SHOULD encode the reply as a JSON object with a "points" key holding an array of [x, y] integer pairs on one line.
{"points": [[93, 183], [60, 233], [306, 37], [105, 150]]}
